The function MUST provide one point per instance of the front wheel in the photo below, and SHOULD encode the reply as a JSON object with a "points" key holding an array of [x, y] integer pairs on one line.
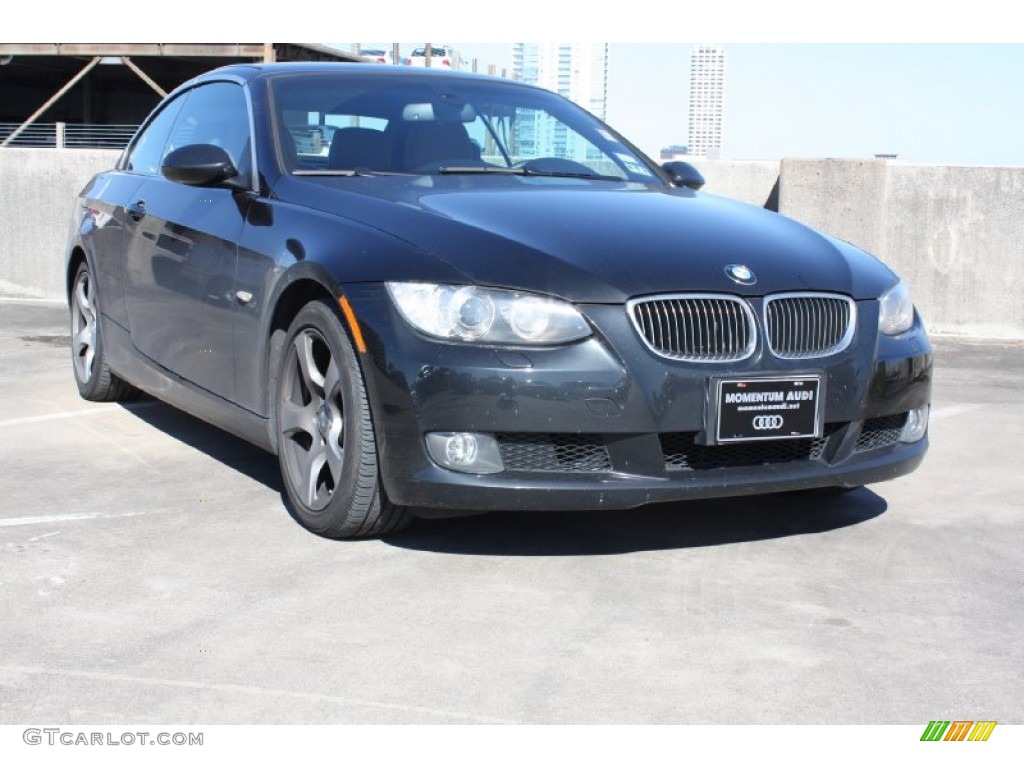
{"points": [[325, 440]]}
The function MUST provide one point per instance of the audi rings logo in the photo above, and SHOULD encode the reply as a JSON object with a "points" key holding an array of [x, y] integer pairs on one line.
{"points": [[767, 422]]}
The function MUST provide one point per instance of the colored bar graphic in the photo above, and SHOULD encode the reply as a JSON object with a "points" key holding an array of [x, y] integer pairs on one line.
{"points": [[935, 730], [982, 730], [958, 730]]}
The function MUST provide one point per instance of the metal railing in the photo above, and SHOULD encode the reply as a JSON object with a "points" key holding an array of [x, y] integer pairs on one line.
{"points": [[69, 136]]}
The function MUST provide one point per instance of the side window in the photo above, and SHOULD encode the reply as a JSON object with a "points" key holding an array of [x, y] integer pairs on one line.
{"points": [[216, 114], [148, 150]]}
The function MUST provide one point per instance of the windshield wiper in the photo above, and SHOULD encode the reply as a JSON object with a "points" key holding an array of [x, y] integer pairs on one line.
{"points": [[574, 175], [524, 171], [458, 169], [343, 172]]}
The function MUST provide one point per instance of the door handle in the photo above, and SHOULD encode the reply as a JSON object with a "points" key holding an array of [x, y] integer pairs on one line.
{"points": [[137, 210]]}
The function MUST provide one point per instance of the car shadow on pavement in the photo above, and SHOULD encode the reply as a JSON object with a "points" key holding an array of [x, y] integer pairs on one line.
{"points": [[222, 446], [683, 525]]}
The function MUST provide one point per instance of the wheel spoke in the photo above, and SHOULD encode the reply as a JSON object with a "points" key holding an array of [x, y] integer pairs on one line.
{"points": [[310, 465], [84, 302], [335, 459], [331, 381], [335, 434], [295, 418], [90, 353], [311, 376], [83, 339]]}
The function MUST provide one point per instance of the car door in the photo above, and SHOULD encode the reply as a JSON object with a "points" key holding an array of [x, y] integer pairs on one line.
{"points": [[106, 201], [181, 247]]}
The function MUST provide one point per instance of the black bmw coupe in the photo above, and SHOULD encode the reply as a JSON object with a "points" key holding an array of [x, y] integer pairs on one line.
{"points": [[433, 293]]}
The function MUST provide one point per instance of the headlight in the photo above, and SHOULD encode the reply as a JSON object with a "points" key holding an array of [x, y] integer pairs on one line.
{"points": [[896, 310], [487, 315]]}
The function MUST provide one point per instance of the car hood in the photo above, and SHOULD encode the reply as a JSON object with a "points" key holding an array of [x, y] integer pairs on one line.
{"points": [[595, 241]]}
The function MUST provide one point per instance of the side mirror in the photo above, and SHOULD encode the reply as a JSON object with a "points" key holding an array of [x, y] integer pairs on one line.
{"points": [[683, 174], [199, 165]]}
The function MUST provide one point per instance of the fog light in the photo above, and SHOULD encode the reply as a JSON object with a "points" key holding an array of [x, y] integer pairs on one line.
{"points": [[465, 451], [916, 426]]}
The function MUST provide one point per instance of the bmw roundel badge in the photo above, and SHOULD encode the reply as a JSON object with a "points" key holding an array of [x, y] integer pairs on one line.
{"points": [[741, 274]]}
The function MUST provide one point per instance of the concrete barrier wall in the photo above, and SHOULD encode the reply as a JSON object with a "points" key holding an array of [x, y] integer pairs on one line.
{"points": [[954, 234], [751, 181], [37, 194]]}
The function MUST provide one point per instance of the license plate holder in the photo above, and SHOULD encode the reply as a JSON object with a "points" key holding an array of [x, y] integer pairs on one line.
{"points": [[770, 408]]}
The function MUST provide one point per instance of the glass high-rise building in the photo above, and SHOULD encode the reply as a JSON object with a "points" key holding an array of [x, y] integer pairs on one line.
{"points": [[578, 71], [707, 83]]}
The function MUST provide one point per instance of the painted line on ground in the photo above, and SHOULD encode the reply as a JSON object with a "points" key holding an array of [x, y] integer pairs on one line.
{"points": [[99, 409], [108, 677], [26, 300], [59, 415], [50, 519]]}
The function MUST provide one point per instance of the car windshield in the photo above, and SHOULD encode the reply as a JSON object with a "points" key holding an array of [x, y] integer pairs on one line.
{"points": [[382, 124]]}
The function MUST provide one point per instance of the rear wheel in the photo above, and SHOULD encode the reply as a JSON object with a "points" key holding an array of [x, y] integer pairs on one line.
{"points": [[92, 374], [325, 439]]}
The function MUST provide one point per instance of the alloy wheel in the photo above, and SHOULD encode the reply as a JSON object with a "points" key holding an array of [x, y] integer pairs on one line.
{"points": [[83, 326], [312, 419]]}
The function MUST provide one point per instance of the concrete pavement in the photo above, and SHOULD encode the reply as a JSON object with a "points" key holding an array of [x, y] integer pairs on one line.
{"points": [[150, 574]]}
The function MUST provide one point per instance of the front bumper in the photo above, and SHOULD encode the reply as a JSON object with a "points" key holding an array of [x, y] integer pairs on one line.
{"points": [[607, 424]]}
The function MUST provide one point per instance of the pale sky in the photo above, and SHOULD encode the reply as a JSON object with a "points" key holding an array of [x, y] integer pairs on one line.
{"points": [[948, 104]]}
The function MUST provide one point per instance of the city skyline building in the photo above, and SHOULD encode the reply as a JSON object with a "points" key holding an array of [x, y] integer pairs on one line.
{"points": [[577, 71], [707, 87]]}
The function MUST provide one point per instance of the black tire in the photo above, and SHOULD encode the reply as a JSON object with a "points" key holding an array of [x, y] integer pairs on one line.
{"points": [[93, 376], [325, 440]]}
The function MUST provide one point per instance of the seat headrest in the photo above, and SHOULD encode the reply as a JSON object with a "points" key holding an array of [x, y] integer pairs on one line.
{"points": [[359, 148], [427, 143]]}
